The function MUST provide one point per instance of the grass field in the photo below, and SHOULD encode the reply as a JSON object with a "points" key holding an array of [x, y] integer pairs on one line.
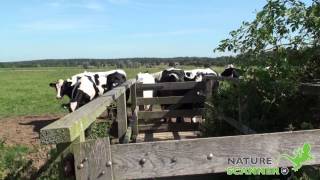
{"points": [[26, 91]]}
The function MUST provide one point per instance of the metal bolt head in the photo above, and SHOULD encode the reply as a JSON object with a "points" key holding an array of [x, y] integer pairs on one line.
{"points": [[142, 161], [210, 156], [85, 159], [109, 163], [80, 166], [173, 160], [103, 172]]}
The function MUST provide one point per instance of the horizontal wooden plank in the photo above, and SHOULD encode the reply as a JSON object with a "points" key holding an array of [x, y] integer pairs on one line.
{"points": [[170, 113], [171, 86], [171, 100], [161, 127], [310, 88], [236, 124], [165, 136], [221, 78], [128, 83], [70, 126], [188, 157]]}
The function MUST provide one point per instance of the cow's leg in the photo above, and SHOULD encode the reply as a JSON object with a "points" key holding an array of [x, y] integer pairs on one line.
{"points": [[73, 106], [80, 99]]}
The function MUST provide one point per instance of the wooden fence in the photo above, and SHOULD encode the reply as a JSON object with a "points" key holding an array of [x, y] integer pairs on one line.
{"points": [[98, 159]]}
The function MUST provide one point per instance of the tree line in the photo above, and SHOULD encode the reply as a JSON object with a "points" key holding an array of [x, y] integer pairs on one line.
{"points": [[122, 62]]}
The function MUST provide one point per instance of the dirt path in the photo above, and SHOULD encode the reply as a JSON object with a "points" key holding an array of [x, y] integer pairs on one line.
{"points": [[25, 131]]}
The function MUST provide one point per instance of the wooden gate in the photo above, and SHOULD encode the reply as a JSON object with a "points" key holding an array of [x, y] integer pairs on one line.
{"points": [[99, 159]]}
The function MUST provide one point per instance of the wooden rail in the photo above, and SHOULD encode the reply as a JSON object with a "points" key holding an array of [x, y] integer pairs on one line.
{"points": [[172, 86], [189, 157], [97, 159], [170, 113], [310, 88], [160, 127], [220, 78], [73, 125]]}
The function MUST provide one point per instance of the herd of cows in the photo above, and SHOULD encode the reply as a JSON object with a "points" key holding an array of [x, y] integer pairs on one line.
{"points": [[84, 87]]}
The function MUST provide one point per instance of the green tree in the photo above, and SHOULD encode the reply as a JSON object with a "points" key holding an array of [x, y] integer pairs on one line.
{"points": [[280, 24], [285, 37]]}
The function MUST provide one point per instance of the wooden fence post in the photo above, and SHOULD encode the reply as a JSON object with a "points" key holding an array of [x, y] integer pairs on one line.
{"points": [[122, 116], [208, 87], [134, 109], [65, 149], [93, 160]]}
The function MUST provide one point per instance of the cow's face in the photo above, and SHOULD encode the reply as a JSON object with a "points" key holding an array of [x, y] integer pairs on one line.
{"points": [[59, 86], [114, 80]]}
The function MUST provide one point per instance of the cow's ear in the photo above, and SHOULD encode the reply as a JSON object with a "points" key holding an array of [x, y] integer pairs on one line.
{"points": [[52, 84]]}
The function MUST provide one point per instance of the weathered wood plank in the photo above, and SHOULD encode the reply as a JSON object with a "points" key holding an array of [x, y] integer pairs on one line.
{"points": [[72, 125], [208, 88], [310, 88], [220, 78], [159, 127], [135, 122], [128, 83], [134, 110], [187, 157], [170, 113], [165, 136], [133, 95], [171, 86], [122, 116], [238, 125], [93, 160], [171, 100], [127, 136]]}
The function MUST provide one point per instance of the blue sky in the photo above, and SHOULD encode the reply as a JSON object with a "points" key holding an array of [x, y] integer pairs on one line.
{"points": [[41, 29]]}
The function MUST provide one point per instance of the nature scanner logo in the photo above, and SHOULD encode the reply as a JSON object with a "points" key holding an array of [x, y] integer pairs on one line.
{"points": [[263, 165]]}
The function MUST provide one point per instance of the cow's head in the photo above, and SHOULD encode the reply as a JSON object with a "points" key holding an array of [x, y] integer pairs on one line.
{"points": [[61, 87], [172, 75], [115, 79], [230, 71]]}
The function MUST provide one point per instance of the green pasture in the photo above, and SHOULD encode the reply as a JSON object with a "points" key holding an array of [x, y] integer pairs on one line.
{"points": [[26, 91]]}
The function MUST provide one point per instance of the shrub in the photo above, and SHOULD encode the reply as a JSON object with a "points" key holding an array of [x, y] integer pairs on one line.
{"points": [[12, 160]]}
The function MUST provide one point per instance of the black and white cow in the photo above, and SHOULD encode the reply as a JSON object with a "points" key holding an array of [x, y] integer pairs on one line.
{"points": [[67, 87], [71, 86], [198, 75], [146, 78], [91, 87], [170, 75], [88, 88], [230, 71]]}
